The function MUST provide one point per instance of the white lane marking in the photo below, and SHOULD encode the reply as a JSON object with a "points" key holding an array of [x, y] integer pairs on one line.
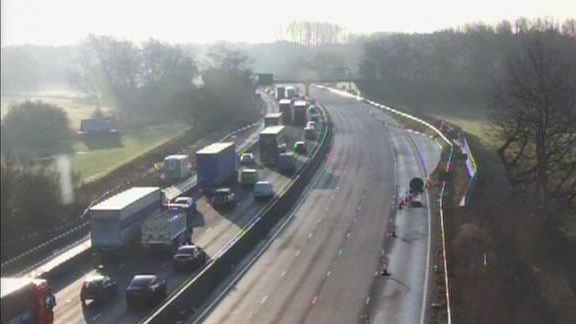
{"points": [[263, 300], [298, 253], [283, 274], [163, 264], [122, 265], [96, 317]]}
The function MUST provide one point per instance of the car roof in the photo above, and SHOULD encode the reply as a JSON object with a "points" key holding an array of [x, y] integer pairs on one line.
{"points": [[262, 183], [95, 278], [247, 153], [187, 247], [299, 143], [144, 277], [223, 190]]}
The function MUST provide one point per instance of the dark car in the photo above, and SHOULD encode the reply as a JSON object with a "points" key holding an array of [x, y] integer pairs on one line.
{"points": [[189, 256], [223, 198], [145, 289], [98, 288]]}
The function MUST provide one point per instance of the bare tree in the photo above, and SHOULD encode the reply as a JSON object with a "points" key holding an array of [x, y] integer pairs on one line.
{"points": [[536, 120]]}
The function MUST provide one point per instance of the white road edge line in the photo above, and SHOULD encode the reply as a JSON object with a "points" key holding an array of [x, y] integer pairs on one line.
{"points": [[427, 273], [262, 250]]}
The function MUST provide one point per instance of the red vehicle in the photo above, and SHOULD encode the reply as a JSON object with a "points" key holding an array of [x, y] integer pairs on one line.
{"points": [[26, 301]]}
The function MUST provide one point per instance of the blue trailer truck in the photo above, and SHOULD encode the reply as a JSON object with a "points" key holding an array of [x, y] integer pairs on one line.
{"points": [[117, 220], [216, 164]]}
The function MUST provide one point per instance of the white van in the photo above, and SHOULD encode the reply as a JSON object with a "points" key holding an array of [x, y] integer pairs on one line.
{"points": [[247, 176], [263, 189]]}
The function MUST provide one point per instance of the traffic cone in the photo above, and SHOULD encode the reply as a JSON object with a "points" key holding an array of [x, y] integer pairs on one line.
{"points": [[384, 270]]}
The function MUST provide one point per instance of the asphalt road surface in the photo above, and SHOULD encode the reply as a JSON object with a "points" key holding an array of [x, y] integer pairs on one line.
{"points": [[212, 229], [325, 264]]}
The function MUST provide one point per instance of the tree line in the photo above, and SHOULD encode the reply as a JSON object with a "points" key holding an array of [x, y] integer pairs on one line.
{"points": [[151, 83], [524, 70], [445, 67]]}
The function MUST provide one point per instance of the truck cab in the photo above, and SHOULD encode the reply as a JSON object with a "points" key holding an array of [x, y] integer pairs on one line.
{"points": [[26, 300]]}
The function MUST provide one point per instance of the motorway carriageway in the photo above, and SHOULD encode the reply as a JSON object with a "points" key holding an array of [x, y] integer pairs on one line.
{"points": [[212, 230], [324, 264]]}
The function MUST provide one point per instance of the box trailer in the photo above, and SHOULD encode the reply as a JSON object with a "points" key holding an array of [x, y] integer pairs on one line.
{"points": [[292, 92], [273, 119], [285, 106], [269, 140], [167, 229], [177, 167], [280, 93], [300, 108], [117, 220], [216, 164]]}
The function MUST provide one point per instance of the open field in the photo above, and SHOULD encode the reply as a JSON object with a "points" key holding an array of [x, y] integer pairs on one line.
{"points": [[94, 163], [76, 111], [95, 158]]}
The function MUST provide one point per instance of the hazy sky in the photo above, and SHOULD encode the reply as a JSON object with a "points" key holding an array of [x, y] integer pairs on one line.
{"points": [[57, 22]]}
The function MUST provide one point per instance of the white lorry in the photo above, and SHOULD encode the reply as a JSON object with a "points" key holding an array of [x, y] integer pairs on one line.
{"points": [[168, 229], [116, 221]]}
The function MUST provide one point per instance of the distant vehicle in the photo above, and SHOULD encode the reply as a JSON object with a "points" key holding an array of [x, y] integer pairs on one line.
{"points": [[216, 164], [247, 159], [280, 93], [190, 256], [300, 108], [223, 198], [247, 176], [263, 190], [145, 289], [309, 133], [177, 167], [300, 147], [270, 142], [167, 229], [273, 119], [312, 109], [311, 124], [291, 92], [285, 106], [116, 221], [98, 288], [286, 162], [26, 300]]}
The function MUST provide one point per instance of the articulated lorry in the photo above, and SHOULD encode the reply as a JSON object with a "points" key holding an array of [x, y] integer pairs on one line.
{"points": [[300, 112], [216, 164], [273, 119], [280, 93], [270, 139], [285, 106], [26, 300], [292, 92], [117, 220]]}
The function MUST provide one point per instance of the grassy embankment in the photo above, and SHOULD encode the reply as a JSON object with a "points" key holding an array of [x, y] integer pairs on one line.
{"points": [[528, 276]]}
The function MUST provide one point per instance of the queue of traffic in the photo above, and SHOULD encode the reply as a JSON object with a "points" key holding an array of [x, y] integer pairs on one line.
{"points": [[141, 217]]}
